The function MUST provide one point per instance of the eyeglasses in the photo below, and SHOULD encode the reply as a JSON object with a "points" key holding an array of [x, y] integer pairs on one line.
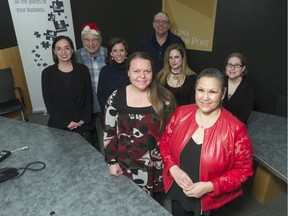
{"points": [[233, 66], [163, 22], [87, 40]]}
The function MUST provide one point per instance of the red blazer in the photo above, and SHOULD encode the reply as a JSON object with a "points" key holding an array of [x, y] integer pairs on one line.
{"points": [[226, 157]]}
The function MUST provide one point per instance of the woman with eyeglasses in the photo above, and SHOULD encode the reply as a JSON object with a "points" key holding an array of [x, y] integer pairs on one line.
{"points": [[240, 96]]}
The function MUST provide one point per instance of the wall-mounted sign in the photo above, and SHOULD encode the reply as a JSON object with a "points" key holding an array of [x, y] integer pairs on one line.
{"points": [[193, 21]]}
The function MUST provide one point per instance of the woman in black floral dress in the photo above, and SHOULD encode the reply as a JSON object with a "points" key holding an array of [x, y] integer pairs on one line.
{"points": [[134, 118]]}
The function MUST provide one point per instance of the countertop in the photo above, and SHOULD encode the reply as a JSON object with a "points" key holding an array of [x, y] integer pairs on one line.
{"points": [[76, 180]]}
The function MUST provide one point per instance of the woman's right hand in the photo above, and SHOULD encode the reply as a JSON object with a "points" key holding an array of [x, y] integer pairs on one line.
{"points": [[115, 169], [72, 125], [181, 177]]}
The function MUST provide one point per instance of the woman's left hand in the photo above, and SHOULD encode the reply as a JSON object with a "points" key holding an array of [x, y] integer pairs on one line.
{"points": [[115, 169], [198, 189], [80, 123]]}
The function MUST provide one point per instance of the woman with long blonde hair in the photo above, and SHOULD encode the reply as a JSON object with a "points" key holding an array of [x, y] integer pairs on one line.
{"points": [[176, 75]]}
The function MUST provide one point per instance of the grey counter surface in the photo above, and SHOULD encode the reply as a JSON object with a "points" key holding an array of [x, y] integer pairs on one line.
{"points": [[76, 180], [269, 139]]}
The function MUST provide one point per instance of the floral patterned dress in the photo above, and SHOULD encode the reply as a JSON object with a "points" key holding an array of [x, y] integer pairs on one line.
{"points": [[131, 138]]}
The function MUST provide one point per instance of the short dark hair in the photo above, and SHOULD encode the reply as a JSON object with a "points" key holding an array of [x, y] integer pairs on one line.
{"points": [[213, 73], [58, 38], [162, 12]]}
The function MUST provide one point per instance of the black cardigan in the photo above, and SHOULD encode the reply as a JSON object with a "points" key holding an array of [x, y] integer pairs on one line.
{"points": [[242, 101], [66, 105]]}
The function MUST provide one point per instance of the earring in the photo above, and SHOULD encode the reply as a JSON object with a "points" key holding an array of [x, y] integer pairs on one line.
{"points": [[112, 58]]}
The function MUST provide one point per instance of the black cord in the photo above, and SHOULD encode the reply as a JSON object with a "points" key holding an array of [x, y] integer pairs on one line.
{"points": [[28, 167]]}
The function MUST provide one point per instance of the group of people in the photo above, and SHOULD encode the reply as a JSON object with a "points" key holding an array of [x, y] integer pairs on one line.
{"points": [[170, 130]]}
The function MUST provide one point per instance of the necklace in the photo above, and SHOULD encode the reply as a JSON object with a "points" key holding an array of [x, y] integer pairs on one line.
{"points": [[175, 75], [206, 123]]}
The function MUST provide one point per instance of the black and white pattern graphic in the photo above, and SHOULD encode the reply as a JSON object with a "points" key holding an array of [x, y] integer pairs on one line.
{"points": [[60, 24]]}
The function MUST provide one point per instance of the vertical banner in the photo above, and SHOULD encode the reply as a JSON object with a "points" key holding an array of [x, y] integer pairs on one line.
{"points": [[193, 21], [37, 23]]}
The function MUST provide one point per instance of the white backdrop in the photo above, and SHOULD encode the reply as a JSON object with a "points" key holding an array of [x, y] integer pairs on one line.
{"points": [[36, 24]]}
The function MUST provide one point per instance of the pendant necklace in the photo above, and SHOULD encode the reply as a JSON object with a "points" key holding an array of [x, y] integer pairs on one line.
{"points": [[175, 75]]}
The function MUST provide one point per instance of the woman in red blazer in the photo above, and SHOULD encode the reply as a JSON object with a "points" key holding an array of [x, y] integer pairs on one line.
{"points": [[206, 151]]}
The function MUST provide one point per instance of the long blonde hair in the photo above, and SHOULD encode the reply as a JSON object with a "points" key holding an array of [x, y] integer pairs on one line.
{"points": [[161, 99], [164, 74]]}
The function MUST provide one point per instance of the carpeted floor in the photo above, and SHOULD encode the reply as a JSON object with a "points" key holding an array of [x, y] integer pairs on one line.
{"points": [[245, 205]]}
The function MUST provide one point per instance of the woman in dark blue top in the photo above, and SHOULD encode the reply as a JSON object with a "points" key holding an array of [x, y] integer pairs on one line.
{"points": [[114, 75]]}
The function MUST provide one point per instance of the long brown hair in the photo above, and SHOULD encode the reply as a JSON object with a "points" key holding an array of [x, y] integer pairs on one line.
{"points": [[163, 75], [161, 99], [111, 43]]}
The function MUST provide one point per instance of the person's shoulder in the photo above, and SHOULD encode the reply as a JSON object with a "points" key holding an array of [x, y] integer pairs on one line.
{"points": [[230, 119], [106, 67], [119, 91], [248, 81], [247, 86], [122, 89], [192, 76], [81, 68], [49, 68], [190, 81], [103, 49], [184, 112], [174, 36], [105, 71], [188, 109], [147, 38], [78, 51], [79, 65], [118, 95], [78, 55]]}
